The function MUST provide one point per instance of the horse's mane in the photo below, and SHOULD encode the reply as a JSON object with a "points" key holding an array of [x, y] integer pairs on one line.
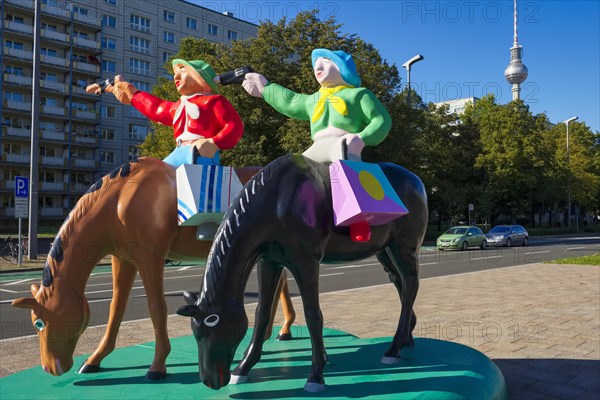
{"points": [[107, 183], [232, 223]]}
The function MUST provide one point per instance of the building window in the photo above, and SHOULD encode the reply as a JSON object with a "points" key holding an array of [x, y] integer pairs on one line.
{"points": [[111, 2], [80, 10], [168, 37], [47, 151], [15, 71], [107, 157], [138, 131], [109, 66], [166, 56], [191, 23], [108, 43], [107, 112], [140, 23], [46, 202], [48, 52], [144, 86], [109, 20], [12, 148], [231, 35], [138, 44], [169, 16], [46, 176], [139, 66], [213, 30], [48, 27], [78, 34], [13, 96], [47, 76], [18, 20], [108, 134], [14, 45], [134, 153]]}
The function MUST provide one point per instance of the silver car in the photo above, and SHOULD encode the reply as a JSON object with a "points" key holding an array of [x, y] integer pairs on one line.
{"points": [[507, 235]]}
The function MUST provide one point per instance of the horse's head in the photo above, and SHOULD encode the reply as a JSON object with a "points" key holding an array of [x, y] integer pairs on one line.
{"points": [[218, 332], [59, 321]]}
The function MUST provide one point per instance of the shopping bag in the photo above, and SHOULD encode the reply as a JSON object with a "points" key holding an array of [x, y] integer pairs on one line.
{"points": [[361, 192], [204, 192]]}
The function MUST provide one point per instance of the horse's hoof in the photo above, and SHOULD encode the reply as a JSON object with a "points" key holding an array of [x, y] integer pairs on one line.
{"points": [[313, 387], [88, 369], [390, 360], [155, 375], [284, 336], [237, 379]]}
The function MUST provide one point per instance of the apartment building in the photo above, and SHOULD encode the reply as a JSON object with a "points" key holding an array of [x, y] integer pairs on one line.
{"points": [[81, 136]]}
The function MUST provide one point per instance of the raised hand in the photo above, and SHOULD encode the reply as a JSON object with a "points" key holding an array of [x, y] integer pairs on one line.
{"points": [[254, 84]]}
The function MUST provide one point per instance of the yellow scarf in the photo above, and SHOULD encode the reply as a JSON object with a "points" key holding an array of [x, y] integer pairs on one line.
{"points": [[327, 95]]}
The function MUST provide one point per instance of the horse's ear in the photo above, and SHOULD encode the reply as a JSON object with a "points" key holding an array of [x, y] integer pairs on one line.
{"points": [[189, 310], [25, 302], [34, 289], [190, 297]]}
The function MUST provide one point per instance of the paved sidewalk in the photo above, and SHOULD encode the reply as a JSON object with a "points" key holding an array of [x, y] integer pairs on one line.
{"points": [[540, 323]]}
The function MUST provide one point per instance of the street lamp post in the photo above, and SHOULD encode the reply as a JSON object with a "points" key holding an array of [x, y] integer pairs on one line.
{"points": [[408, 65], [569, 165]]}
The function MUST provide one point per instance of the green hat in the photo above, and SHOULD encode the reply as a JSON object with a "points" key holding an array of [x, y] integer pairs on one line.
{"points": [[203, 68]]}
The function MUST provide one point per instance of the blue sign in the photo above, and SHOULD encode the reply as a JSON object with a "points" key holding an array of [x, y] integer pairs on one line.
{"points": [[21, 186]]}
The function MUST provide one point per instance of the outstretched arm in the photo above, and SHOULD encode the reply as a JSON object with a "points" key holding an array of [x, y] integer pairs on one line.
{"points": [[285, 101]]}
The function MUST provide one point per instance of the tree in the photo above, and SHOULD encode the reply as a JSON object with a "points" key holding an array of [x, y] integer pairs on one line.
{"points": [[281, 52]]}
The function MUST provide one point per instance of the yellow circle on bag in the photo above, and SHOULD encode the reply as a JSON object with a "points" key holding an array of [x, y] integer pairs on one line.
{"points": [[371, 185]]}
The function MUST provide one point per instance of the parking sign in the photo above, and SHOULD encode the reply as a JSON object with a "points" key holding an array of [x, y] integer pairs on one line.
{"points": [[21, 197]]}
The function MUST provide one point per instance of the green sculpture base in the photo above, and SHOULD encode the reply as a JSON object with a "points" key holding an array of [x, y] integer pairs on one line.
{"points": [[433, 369]]}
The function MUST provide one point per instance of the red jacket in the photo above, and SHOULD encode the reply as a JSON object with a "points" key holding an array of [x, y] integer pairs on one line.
{"points": [[217, 119]]}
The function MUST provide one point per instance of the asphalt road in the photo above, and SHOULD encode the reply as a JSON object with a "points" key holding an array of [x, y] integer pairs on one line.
{"points": [[368, 272]]}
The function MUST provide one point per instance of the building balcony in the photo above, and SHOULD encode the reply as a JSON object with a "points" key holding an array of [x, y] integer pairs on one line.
{"points": [[88, 115], [9, 185], [10, 131], [81, 139], [52, 161], [17, 158], [21, 3], [17, 53], [17, 105], [55, 11], [53, 110], [18, 27], [86, 43], [61, 62], [90, 68], [51, 212], [54, 86], [53, 135], [79, 188], [53, 186], [55, 36], [83, 163], [18, 79]]}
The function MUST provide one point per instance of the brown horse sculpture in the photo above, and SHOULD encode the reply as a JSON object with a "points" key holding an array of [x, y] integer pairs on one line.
{"points": [[131, 213]]}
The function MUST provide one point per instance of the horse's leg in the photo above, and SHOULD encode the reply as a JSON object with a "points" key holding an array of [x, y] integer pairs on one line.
{"points": [[406, 279], [269, 274], [306, 272], [123, 274], [151, 269], [287, 306], [289, 314]]}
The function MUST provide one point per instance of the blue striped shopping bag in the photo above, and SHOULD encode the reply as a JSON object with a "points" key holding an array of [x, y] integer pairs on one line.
{"points": [[204, 192]]}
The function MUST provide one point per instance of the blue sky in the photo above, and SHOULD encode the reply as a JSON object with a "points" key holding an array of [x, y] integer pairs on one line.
{"points": [[466, 46]]}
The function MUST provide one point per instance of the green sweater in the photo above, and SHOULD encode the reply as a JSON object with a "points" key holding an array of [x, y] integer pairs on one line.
{"points": [[366, 115]]}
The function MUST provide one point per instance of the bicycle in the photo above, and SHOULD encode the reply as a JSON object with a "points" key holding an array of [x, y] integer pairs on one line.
{"points": [[10, 251]]}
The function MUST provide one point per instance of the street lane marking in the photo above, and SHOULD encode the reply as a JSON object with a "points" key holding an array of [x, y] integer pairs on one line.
{"points": [[354, 266], [430, 263], [576, 248], [19, 281], [184, 268], [9, 291], [484, 258]]}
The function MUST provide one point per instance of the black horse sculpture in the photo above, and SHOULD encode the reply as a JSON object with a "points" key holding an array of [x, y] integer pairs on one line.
{"points": [[283, 218]]}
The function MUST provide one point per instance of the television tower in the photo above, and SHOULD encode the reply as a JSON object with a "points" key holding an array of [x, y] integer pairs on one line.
{"points": [[516, 72]]}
